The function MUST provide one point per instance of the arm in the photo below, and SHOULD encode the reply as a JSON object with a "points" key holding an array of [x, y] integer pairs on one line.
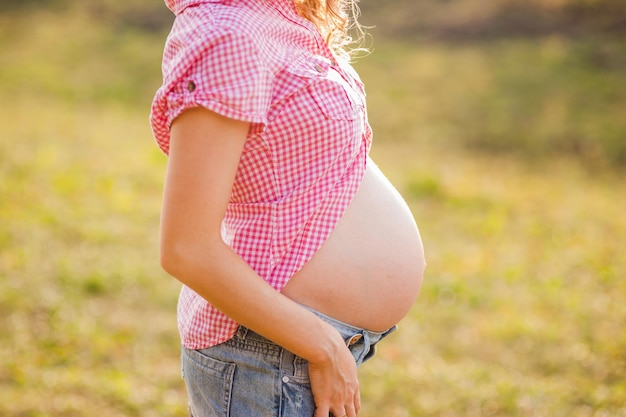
{"points": [[204, 154]]}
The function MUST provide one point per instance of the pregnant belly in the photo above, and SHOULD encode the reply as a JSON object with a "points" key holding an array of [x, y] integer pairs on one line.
{"points": [[369, 271]]}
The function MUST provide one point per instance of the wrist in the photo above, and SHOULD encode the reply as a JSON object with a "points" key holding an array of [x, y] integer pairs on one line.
{"points": [[328, 343]]}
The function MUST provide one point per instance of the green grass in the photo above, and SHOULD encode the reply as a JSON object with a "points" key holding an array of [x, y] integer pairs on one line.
{"points": [[521, 313], [535, 98], [87, 318]]}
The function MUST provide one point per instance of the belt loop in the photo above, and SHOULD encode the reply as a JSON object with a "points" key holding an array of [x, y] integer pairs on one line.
{"points": [[287, 362]]}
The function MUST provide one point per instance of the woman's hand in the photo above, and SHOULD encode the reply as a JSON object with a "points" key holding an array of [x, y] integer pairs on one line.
{"points": [[334, 382]]}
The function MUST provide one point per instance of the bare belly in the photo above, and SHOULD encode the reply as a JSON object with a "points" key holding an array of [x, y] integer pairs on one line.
{"points": [[369, 271]]}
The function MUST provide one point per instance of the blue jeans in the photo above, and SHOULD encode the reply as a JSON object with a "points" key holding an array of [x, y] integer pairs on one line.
{"points": [[250, 376]]}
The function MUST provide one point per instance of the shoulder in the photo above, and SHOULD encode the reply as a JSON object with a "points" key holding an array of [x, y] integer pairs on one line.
{"points": [[234, 28], [239, 23]]}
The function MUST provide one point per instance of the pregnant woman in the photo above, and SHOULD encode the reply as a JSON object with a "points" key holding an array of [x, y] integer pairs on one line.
{"points": [[296, 254]]}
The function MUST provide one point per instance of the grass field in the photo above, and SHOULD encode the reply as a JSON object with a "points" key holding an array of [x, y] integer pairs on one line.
{"points": [[522, 311]]}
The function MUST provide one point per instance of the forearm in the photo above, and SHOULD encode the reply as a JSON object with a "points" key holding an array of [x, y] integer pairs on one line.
{"points": [[225, 280]]}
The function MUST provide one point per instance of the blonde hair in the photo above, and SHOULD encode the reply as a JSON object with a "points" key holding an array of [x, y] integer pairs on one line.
{"points": [[334, 19]]}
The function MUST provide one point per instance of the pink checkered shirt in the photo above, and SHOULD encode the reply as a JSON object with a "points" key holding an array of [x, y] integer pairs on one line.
{"points": [[306, 150]]}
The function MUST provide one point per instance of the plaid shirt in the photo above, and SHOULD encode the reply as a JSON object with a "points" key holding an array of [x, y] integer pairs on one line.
{"points": [[306, 150]]}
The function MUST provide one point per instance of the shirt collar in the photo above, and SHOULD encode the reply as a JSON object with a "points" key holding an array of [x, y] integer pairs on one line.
{"points": [[177, 6]]}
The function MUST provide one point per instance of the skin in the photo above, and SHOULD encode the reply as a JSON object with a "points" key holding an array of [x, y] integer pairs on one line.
{"points": [[370, 269], [204, 154]]}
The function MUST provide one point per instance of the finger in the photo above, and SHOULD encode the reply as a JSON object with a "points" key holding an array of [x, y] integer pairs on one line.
{"points": [[322, 412], [350, 411], [357, 402]]}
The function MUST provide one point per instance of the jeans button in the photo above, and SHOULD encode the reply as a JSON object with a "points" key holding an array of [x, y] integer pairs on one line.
{"points": [[354, 339]]}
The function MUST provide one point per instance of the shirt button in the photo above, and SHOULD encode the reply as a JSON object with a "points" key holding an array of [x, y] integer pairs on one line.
{"points": [[285, 379], [318, 68], [191, 86]]}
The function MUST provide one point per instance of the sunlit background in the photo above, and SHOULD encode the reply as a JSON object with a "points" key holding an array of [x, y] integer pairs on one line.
{"points": [[503, 123]]}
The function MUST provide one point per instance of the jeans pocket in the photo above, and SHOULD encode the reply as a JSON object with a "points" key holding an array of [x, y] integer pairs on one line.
{"points": [[209, 384], [297, 397]]}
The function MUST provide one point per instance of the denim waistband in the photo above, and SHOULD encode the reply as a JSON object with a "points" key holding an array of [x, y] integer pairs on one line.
{"points": [[361, 342]]}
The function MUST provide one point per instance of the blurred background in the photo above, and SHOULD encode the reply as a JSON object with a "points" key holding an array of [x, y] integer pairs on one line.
{"points": [[503, 123]]}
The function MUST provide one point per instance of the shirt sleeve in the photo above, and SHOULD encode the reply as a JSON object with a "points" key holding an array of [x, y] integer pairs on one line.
{"points": [[217, 69]]}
